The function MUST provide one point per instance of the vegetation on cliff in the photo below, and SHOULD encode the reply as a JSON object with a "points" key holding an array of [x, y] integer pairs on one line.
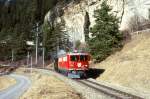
{"points": [[106, 37], [17, 26]]}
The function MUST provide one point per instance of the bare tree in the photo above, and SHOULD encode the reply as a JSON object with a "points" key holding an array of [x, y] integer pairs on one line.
{"points": [[123, 8], [138, 23], [134, 24]]}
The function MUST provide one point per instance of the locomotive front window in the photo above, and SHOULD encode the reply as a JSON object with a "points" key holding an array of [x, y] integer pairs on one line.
{"points": [[74, 58], [83, 57]]}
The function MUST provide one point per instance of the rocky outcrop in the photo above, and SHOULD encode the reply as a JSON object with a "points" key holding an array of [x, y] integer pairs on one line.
{"points": [[78, 16]]}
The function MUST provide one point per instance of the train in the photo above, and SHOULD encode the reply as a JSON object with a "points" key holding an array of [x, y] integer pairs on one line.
{"points": [[73, 64]]}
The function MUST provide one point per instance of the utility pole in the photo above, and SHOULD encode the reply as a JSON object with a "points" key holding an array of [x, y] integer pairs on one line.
{"points": [[31, 65], [43, 56], [12, 57], [57, 45], [37, 30], [28, 56]]}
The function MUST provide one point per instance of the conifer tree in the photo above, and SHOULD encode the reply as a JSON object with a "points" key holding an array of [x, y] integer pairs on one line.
{"points": [[54, 36], [106, 37]]}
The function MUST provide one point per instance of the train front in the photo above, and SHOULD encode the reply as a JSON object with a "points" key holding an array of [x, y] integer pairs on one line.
{"points": [[78, 65]]}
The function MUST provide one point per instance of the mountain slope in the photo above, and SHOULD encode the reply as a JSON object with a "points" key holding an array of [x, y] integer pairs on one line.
{"points": [[131, 66]]}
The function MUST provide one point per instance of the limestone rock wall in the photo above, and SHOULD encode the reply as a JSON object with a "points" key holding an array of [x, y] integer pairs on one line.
{"points": [[74, 14]]}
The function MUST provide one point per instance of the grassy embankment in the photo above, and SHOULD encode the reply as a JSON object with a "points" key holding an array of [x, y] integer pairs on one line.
{"points": [[131, 66]]}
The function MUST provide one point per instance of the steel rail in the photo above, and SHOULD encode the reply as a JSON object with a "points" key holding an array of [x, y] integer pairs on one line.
{"points": [[119, 91], [114, 93]]}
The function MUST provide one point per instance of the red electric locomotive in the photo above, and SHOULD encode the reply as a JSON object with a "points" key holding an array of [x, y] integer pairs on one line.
{"points": [[73, 64]]}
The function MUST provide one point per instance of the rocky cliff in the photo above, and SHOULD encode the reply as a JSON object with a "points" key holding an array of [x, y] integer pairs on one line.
{"points": [[78, 14]]}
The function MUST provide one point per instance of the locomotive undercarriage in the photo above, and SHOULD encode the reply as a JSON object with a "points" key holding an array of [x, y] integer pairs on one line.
{"points": [[77, 74], [73, 73]]}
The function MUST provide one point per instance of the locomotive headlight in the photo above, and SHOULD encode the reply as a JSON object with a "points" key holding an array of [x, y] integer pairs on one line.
{"points": [[86, 65], [79, 64]]}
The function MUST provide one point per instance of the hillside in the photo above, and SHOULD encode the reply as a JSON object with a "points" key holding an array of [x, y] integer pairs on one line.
{"points": [[130, 66]]}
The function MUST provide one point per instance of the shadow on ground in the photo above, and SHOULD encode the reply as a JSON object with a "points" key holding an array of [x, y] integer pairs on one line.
{"points": [[94, 73]]}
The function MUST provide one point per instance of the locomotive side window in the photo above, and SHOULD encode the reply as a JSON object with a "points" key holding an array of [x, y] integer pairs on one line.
{"points": [[83, 57], [74, 58]]}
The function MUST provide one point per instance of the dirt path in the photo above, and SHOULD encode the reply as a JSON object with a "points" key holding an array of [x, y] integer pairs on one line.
{"points": [[14, 92], [6, 82]]}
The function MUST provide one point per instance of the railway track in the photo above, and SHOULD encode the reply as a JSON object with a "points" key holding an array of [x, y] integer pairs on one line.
{"points": [[91, 89], [114, 93]]}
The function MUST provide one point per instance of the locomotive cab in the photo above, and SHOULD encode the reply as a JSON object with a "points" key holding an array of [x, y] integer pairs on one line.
{"points": [[74, 64], [79, 62], [79, 65]]}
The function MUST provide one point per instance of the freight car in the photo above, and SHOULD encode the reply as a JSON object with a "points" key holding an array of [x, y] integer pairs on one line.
{"points": [[73, 64]]}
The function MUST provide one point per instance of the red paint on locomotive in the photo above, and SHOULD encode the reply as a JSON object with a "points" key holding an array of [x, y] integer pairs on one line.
{"points": [[74, 62]]}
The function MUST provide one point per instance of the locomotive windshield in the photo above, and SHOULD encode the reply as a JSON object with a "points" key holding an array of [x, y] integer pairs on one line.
{"points": [[79, 58], [74, 58], [83, 58]]}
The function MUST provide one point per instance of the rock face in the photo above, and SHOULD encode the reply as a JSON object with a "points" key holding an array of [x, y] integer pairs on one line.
{"points": [[78, 16]]}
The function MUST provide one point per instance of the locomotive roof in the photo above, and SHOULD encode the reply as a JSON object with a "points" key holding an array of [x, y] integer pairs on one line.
{"points": [[72, 53], [77, 53]]}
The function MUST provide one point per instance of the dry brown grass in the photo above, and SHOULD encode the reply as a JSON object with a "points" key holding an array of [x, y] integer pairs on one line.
{"points": [[6, 82], [131, 66], [47, 87]]}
